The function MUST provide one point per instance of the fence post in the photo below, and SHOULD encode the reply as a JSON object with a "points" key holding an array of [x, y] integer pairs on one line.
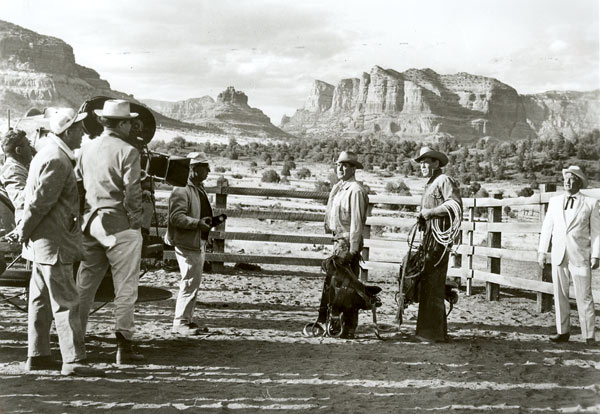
{"points": [[456, 258], [470, 240], [221, 203], [364, 273], [544, 300], [494, 239]]}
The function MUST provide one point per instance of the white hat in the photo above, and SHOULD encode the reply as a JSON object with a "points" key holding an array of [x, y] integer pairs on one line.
{"points": [[63, 118], [427, 152], [349, 157], [575, 170], [116, 109], [198, 158]]}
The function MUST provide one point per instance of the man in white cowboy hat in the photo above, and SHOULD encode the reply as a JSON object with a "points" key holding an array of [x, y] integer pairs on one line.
{"points": [[110, 169], [190, 217], [440, 204], [572, 222], [345, 217], [50, 231]]}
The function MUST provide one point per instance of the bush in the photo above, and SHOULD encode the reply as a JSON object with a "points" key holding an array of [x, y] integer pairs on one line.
{"points": [[525, 192], [285, 170], [220, 169], [303, 173], [237, 176], [270, 176], [397, 188]]}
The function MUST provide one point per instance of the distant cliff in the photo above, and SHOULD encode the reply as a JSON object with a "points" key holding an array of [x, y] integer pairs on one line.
{"points": [[422, 104], [230, 113], [39, 71]]}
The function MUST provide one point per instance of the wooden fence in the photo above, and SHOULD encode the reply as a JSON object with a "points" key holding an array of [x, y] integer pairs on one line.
{"points": [[495, 223]]}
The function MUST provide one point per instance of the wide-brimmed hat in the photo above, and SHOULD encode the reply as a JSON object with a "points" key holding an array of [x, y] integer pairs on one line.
{"points": [[197, 158], [427, 152], [116, 109], [575, 170], [349, 157], [63, 118]]}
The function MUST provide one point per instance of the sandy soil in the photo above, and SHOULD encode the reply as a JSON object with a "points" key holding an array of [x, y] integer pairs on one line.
{"points": [[254, 357]]}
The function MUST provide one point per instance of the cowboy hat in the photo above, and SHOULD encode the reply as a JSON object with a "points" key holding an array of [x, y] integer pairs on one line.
{"points": [[116, 109], [427, 152], [197, 158], [575, 170], [349, 157], [63, 118]]}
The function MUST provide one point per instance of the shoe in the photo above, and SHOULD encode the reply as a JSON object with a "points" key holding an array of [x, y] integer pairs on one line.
{"points": [[347, 334], [188, 329], [126, 351], [81, 370], [38, 363], [560, 337], [590, 341]]}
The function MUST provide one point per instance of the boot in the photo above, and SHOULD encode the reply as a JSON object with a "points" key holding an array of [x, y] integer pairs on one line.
{"points": [[126, 352]]}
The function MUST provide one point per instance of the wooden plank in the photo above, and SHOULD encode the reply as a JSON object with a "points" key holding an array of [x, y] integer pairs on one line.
{"points": [[268, 237], [544, 301], [271, 215], [391, 221], [268, 192], [494, 240], [397, 200], [501, 227], [501, 253]]}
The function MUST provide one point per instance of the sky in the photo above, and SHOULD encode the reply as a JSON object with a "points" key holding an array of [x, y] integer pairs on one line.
{"points": [[274, 50]]}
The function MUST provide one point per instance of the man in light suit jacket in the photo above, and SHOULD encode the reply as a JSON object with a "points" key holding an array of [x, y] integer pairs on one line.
{"points": [[573, 224], [51, 234]]}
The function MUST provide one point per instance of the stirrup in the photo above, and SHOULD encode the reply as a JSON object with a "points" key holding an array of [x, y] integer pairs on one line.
{"points": [[313, 329], [331, 330]]}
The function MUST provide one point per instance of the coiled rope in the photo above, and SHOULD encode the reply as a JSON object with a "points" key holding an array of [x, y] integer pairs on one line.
{"points": [[446, 237]]}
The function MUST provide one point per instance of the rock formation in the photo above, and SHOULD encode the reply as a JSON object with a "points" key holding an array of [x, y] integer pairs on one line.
{"points": [[422, 104], [40, 71], [230, 113]]}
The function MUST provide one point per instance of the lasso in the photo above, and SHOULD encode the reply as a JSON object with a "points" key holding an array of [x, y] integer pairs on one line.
{"points": [[446, 237]]}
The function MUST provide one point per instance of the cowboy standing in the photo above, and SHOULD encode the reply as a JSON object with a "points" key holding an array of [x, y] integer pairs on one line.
{"points": [[189, 223], [573, 224], [345, 217], [110, 169], [441, 203], [51, 234]]}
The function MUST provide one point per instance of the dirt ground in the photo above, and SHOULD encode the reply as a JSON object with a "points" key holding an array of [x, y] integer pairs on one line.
{"points": [[254, 358]]}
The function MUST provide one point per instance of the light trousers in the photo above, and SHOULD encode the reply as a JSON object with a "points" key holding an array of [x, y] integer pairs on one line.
{"points": [[122, 252], [53, 293], [582, 282], [191, 265]]}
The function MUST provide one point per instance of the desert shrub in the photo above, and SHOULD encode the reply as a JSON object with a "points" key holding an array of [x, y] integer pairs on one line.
{"points": [[284, 180], [525, 192], [303, 173], [285, 170], [398, 187], [270, 176], [267, 159], [253, 164], [237, 176], [482, 193], [220, 169]]}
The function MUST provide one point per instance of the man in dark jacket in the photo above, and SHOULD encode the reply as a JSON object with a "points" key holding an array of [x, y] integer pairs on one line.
{"points": [[190, 216]]}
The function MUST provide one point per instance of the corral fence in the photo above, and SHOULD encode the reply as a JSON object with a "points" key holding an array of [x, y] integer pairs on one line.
{"points": [[495, 222]]}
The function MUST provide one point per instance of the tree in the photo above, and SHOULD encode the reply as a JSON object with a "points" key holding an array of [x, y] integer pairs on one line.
{"points": [[270, 176], [398, 187], [303, 173]]}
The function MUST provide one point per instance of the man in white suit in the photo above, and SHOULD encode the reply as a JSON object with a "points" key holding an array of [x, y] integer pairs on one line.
{"points": [[573, 224]]}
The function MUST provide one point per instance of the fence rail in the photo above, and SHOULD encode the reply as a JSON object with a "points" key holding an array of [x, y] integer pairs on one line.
{"points": [[494, 224]]}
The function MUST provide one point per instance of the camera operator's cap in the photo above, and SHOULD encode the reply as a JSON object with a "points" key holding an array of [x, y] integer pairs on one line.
{"points": [[197, 158], [63, 118], [349, 157], [427, 152], [575, 170], [116, 109]]}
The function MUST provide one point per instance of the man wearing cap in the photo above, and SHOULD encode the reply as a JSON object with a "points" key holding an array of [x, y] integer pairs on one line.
{"points": [[110, 169], [572, 222], [190, 217], [51, 235], [441, 203], [345, 217]]}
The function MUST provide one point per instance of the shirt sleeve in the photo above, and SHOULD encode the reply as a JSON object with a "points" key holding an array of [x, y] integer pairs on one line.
{"points": [[359, 202], [14, 183], [132, 197]]}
